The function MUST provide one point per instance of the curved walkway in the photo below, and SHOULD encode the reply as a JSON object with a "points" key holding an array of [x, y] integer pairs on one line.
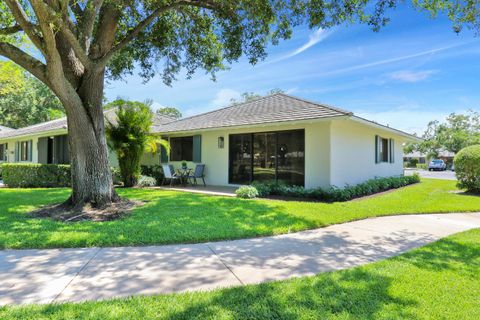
{"points": [[57, 275]]}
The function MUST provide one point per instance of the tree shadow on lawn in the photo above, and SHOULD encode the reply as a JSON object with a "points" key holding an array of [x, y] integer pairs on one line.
{"points": [[348, 294], [448, 254], [167, 217], [351, 294]]}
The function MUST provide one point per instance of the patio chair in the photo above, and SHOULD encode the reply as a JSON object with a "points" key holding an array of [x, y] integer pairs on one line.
{"points": [[198, 173], [169, 173]]}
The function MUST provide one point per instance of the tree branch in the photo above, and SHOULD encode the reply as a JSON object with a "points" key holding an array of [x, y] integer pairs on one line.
{"points": [[67, 32], [10, 30], [76, 9], [26, 61], [22, 19], [144, 23], [88, 21]]}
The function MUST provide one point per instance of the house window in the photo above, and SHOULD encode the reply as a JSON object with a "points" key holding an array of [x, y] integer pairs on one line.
{"points": [[25, 151], [3, 152], [181, 149], [384, 150]]}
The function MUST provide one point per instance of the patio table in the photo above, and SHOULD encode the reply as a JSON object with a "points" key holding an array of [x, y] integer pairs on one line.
{"points": [[184, 173]]}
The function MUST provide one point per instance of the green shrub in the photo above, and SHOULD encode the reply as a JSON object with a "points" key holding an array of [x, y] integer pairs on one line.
{"points": [[154, 171], [247, 192], [263, 189], [116, 176], [145, 181], [335, 194], [467, 168], [23, 175]]}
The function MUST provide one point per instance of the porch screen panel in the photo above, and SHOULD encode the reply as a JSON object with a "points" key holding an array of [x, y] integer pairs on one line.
{"points": [[240, 158], [264, 156], [42, 147], [291, 157], [197, 149]]}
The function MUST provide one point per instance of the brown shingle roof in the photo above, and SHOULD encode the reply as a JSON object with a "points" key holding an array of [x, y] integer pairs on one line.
{"points": [[278, 107], [5, 129]]}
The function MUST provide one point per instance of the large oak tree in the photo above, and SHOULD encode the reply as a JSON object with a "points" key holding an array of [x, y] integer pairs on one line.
{"points": [[78, 43]]}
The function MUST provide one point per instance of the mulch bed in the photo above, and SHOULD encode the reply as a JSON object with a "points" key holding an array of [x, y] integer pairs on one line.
{"points": [[64, 213]]}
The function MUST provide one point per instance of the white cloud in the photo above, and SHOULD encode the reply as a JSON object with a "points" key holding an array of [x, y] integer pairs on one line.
{"points": [[411, 76], [224, 97], [392, 60], [313, 39]]}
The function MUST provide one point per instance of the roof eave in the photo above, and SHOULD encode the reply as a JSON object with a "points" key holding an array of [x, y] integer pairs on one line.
{"points": [[260, 125], [37, 134], [370, 123]]}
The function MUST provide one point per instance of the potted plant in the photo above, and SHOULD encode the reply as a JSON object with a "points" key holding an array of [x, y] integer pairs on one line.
{"points": [[184, 164]]}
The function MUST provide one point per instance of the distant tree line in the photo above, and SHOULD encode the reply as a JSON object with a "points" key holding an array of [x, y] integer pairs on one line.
{"points": [[455, 133]]}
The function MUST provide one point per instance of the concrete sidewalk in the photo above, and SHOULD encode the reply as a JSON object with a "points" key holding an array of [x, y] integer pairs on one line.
{"points": [[42, 276]]}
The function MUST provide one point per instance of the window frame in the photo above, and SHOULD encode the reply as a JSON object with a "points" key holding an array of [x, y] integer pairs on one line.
{"points": [[384, 150]]}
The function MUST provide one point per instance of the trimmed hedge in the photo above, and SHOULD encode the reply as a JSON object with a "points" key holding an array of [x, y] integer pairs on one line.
{"points": [[28, 175], [467, 168], [335, 194]]}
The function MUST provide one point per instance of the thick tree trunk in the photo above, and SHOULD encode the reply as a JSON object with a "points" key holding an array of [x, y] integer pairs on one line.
{"points": [[91, 177]]}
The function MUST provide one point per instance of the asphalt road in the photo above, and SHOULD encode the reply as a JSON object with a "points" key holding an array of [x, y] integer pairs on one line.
{"points": [[446, 175]]}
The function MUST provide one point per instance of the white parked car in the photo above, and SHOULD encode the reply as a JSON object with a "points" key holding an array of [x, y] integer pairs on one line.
{"points": [[437, 164]]}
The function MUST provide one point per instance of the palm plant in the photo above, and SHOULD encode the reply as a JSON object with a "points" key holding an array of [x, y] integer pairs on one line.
{"points": [[130, 137]]}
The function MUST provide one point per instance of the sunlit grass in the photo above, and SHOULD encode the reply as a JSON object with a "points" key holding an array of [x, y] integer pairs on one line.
{"points": [[179, 217]]}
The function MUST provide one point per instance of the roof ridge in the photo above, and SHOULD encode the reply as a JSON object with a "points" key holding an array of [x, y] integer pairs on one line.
{"points": [[224, 108], [321, 104]]}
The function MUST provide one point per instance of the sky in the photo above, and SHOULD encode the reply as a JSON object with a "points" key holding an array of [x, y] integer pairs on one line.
{"points": [[416, 69]]}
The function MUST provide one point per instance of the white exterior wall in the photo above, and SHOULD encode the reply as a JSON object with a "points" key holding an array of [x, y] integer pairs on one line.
{"points": [[317, 152], [353, 153], [11, 149]]}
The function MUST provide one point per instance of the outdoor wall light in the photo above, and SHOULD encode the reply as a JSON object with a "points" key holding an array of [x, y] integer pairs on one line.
{"points": [[221, 142]]}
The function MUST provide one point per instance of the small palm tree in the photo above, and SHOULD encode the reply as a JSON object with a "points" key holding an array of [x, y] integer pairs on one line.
{"points": [[130, 137]]}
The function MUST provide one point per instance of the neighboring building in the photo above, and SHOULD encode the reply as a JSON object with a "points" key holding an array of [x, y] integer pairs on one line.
{"points": [[277, 137], [422, 158], [46, 143]]}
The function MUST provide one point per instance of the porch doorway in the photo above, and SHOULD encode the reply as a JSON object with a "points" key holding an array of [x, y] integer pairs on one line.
{"points": [[268, 156]]}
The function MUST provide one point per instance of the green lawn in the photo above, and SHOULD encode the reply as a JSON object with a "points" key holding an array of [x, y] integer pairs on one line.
{"points": [[439, 281], [176, 217]]}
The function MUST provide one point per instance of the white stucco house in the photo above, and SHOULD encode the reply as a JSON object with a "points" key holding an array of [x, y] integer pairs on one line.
{"points": [[277, 137]]}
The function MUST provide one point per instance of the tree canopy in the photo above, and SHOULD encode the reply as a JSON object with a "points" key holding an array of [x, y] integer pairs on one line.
{"points": [[171, 112], [24, 100], [250, 96], [457, 132]]}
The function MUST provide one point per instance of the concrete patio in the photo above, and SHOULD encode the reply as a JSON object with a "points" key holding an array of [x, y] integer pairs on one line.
{"points": [[58, 275], [210, 190]]}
